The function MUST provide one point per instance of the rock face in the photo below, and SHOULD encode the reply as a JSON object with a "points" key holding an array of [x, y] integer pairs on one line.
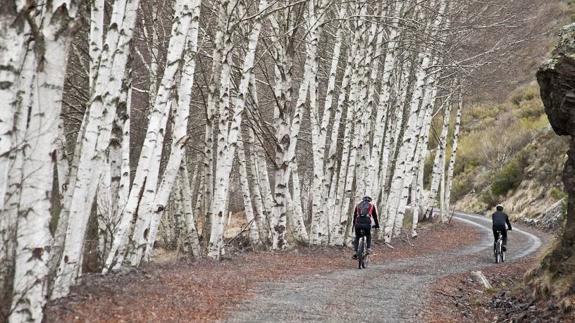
{"points": [[557, 82], [556, 78]]}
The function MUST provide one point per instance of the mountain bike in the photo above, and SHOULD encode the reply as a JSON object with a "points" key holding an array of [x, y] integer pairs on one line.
{"points": [[498, 249], [361, 253]]}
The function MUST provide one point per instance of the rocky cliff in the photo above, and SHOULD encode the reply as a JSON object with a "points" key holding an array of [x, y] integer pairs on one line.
{"points": [[556, 274]]}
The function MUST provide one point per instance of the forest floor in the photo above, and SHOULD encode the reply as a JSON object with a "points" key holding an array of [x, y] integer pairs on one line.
{"points": [[304, 284]]}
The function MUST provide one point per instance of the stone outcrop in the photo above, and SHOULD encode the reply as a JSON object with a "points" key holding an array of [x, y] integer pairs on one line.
{"points": [[556, 275]]}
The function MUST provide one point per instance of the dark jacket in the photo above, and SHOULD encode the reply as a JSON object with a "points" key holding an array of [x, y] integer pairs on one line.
{"points": [[372, 214], [500, 219]]}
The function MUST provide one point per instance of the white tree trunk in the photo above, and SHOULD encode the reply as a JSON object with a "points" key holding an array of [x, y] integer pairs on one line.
{"points": [[451, 167], [380, 163], [96, 38], [191, 239], [318, 228], [12, 52], [439, 159], [401, 175], [33, 240], [297, 221], [179, 130], [9, 218], [230, 130], [107, 90], [261, 187], [253, 234]]}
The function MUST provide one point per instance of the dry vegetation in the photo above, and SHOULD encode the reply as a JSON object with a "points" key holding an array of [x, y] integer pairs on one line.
{"points": [[509, 154]]}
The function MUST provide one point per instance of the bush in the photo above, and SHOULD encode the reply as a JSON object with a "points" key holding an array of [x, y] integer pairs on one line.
{"points": [[488, 198], [557, 194], [525, 93], [462, 185], [509, 177]]}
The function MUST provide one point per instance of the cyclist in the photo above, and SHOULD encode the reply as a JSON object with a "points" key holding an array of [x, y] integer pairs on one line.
{"points": [[364, 217], [500, 223]]}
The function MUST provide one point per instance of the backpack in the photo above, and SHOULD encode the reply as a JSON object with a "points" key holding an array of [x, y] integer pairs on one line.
{"points": [[364, 217]]}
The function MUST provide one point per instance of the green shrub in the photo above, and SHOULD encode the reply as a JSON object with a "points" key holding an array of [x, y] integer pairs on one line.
{"points": [[489, 199], [557, 194], [524, 93], [462, 185], [509, 177]]}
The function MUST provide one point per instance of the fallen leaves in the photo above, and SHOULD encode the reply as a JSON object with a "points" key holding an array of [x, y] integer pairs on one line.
{"points": [[184, 291]]}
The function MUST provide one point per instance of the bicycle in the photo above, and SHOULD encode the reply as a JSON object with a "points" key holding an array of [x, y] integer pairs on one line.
{"points": [[498, 249], [361, 253]]}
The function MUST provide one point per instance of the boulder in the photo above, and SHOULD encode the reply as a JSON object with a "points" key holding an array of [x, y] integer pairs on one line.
{"points": [[557, 82], [556, 274]]}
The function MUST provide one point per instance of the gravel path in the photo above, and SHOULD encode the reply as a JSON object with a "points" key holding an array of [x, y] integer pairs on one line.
{"points": [[385, 292]]}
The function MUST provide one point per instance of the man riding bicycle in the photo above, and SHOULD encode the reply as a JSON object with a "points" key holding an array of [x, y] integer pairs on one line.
{"points": [[364, 217], [500, 223]]}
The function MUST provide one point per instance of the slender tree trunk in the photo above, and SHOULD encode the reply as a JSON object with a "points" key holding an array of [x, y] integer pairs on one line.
{"points": [[230, 131], [297, 216], [97, 135], [22, 106], [439, 159], [190, 236], [261, 185], [318, 228], [96, 38], [401, 174], [247, 196], [179, 129], [12, 52], [13, 116], [451, 168]]}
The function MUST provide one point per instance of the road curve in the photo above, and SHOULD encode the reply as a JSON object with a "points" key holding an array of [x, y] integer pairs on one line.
{"points": [[523, 249], [390, 292]]}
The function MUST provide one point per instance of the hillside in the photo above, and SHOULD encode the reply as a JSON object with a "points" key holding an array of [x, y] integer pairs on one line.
{"points": [[510, 155]]}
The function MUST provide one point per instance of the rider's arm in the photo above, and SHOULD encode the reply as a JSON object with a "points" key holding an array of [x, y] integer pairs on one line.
{"points": [[354, 216]]}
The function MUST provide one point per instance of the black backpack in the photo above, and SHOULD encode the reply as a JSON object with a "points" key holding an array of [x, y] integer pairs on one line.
{"points": [[364, 217]]}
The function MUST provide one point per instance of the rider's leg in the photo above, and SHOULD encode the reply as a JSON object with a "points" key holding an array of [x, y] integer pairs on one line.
{"points": [[504, 233], [356, 240], [494, 236], [355, 243]]}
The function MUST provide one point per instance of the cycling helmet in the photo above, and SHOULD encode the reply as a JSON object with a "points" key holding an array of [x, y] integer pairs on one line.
{"points": [[499, 207], [367, 198]]}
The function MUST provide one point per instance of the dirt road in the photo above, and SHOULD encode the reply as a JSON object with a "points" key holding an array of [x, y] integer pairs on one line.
{"points": [[386, 292]]}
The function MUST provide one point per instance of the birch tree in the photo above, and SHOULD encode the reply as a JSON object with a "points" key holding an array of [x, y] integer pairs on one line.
{"points": [[439, 160], [451, 167], [144, 186], [96, 138], [44, 86], [229, 130]]}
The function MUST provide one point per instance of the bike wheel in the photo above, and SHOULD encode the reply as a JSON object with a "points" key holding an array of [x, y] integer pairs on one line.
{"points": [[365, 261], [503, 256]]}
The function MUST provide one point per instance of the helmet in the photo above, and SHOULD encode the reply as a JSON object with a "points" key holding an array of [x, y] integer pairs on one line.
{"points": [[367, 198], [499, 207]]}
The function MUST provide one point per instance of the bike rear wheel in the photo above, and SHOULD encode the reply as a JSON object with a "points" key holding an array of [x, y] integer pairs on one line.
{"points": [[365, 260], [498, 252]]}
